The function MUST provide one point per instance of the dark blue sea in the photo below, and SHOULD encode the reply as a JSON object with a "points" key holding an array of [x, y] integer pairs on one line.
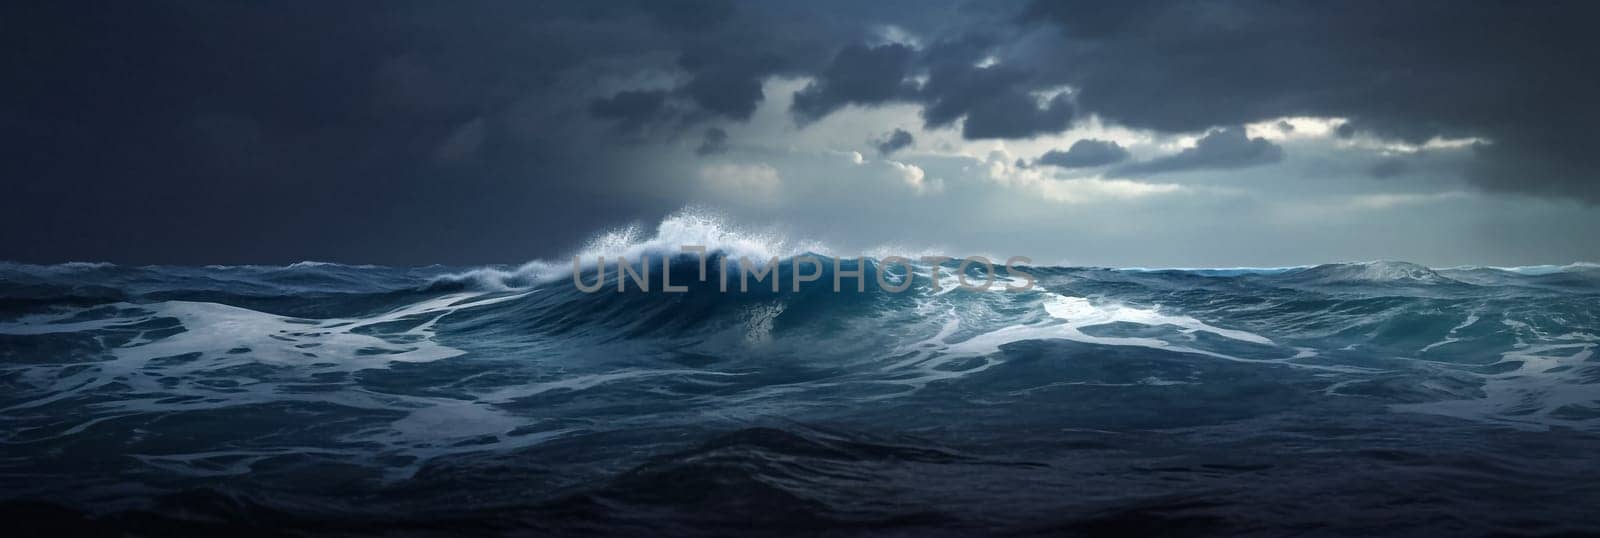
{"points": [[1350, 399]]}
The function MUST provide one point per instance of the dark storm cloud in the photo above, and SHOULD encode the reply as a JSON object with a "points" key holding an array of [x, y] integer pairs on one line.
{"points": [[417, 132], [1220, 148], [997, 100], [715, 142], [393, 132], [400, 132], [895, 141], [858, 75], [630, 109], [726, 83], [687, 15], [1086, 153], [1519, 75], [1013, 114]]}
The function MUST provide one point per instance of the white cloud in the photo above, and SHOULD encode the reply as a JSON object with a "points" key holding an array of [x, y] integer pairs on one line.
{"points": [[1391, 147], [1289, 128], [1387, 201], [1001, 167], [855, 157], [914, 176], [891, 34], [1294, 127], [1082, 190], [750, 183]]}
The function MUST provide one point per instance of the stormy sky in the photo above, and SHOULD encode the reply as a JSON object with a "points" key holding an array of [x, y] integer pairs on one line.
{"points": [[1096, 133]]}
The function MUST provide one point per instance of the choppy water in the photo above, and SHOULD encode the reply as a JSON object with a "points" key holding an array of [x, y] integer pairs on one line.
{"points": [[1375, 398]]}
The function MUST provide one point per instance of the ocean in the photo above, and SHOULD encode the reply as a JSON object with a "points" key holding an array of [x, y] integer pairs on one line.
{"points": [[1371, 398]]}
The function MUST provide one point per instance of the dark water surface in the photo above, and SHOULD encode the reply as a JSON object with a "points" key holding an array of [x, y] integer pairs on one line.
{"points": [[1348, 399]]}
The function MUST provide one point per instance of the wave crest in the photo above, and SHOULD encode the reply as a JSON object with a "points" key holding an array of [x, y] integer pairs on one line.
{"points": [[687, 227]]}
